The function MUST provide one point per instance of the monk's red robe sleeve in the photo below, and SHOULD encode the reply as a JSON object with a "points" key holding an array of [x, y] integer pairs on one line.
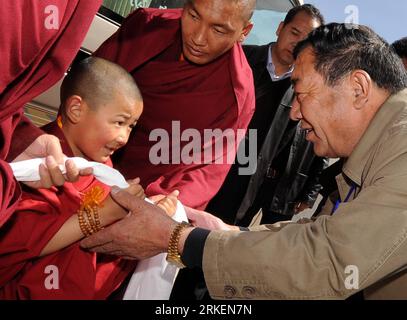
{"points": [[38, 41], [75, 273]]}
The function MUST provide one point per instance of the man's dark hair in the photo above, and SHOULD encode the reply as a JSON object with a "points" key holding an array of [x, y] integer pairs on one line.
{"points": [[400, 47], [341, 48], [96, 81], [309, 9]]}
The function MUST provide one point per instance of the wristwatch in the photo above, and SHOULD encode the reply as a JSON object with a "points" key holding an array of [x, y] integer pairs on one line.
{"points": [[173, 256]]}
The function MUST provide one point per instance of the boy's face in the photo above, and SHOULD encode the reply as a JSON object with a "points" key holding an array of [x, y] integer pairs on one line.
{"points": [[104, 129]]}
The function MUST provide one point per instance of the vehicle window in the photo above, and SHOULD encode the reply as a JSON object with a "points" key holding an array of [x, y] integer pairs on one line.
{"points": [[124, 7], [265, 25]]}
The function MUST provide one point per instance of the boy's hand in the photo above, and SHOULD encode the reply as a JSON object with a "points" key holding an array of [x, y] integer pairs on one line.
{"points": [[167, 203], [157, 198]]}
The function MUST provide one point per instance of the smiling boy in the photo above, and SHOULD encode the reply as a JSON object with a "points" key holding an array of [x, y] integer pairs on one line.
{"points": [[100, 105]]}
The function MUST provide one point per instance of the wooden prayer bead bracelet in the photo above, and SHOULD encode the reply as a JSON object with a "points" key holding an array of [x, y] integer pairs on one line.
{"points": [[88, 213]]}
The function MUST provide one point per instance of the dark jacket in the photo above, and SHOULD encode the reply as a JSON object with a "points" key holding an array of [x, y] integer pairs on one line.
{"points": [[286, 173]]}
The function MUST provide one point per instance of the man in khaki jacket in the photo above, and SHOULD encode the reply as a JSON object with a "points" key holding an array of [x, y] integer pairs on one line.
{"points": [[351, 97]]}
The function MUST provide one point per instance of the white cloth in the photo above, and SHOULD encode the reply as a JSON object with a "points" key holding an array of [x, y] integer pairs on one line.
{"points": [[154, 277], [27, 170]]}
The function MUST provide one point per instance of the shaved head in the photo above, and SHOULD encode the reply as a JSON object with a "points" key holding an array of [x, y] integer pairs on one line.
{"points": [[246, 7], [97, 81]]}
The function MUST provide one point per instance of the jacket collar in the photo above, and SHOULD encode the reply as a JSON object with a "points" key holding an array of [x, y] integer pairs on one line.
{"points": [[257, 56], [386, 116]]}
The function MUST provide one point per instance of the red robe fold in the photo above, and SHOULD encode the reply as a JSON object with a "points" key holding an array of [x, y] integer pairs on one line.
{"points": [[218, 95], [33, 58], [38, 217]]}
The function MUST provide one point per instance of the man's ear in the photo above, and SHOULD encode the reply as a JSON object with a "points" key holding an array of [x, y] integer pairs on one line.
{"points": [[280, 26], [245, 32], [74, 108], [361, 87]]}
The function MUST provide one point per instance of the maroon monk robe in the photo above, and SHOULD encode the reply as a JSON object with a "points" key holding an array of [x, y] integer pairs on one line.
{"points": [[218, 95], [33, 58], [38, 217]]}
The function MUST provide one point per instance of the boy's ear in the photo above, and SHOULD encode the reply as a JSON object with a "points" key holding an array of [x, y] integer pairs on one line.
{"points": [[74, 107]]}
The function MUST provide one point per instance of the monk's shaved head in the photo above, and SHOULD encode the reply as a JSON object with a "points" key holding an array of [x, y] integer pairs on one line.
{"points": [[97, 81], [246, 7]]}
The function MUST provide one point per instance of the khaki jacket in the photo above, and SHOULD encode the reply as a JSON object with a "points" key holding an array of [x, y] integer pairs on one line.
{"points": [[361, 247]]}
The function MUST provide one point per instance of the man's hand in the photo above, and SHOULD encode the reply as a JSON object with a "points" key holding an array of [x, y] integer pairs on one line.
{"points": [[144, 233], [206, 220], [113, 211], [48, 146]]}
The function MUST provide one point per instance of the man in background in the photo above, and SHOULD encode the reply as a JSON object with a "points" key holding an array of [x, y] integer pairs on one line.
{"points": [[400, 46]]}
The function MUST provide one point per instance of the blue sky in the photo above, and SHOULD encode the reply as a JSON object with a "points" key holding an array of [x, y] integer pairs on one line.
{"points": [[388, 18]]}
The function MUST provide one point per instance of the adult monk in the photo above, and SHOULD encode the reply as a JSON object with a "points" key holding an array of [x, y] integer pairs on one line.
{"points": [[39, 39], [192, 73]]}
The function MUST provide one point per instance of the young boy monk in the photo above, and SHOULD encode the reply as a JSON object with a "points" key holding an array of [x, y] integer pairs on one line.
{"points": [[40, 257]]}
